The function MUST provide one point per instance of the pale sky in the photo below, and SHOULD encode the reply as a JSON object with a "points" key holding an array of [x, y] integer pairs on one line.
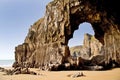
{"points": [[78, 35], [16, 16]]}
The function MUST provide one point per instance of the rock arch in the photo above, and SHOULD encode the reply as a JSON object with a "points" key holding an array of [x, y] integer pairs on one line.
{"points": [[47, 40], [78, 36]]}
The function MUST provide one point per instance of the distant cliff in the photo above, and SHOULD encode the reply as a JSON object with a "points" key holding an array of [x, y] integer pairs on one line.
{"points": [[91, 47], [46, 45]]}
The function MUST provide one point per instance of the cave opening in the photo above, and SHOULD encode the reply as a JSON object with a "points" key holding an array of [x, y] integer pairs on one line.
{"points": [[77, 41]]}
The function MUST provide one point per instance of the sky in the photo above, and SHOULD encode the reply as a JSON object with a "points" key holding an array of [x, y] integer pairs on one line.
{"points": [[78, 35], [16, 16]]}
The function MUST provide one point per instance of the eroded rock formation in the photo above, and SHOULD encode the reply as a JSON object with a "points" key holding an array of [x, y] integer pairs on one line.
{"points": [[91, 47], [47, 40]]}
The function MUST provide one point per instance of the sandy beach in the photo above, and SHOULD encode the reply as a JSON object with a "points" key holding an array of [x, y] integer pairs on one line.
{"points": [[113, 74]]}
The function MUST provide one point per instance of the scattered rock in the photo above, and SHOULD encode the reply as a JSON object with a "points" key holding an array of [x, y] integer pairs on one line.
{"points": [[33, 73], [93, 68], [77, 75], [25, 71], [9, 72], [2, 69], [17, 70]]}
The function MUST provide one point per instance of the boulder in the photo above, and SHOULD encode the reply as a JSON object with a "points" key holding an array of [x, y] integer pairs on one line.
{"points": [[77, 75]]}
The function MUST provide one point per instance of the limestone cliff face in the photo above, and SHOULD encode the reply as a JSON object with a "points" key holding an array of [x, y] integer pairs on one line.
{"points": [[47, 40], [91, 47]]}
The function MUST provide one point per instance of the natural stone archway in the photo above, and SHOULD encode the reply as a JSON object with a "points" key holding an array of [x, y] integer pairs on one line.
{"points": [[46, 43], [104, 24], [78, 35]]}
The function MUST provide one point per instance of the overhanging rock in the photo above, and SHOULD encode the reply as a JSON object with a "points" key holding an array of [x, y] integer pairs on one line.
{"points": [[46, 44]]}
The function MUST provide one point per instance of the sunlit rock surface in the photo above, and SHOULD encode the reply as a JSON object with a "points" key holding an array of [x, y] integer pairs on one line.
{"points": [[46, 44], [91, 47]]}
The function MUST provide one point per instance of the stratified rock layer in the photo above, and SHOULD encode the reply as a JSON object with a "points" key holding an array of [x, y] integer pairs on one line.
{"points": [[47, 40]]}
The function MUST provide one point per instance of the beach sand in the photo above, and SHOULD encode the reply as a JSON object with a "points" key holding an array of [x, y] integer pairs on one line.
{"points": [[113, 74]]}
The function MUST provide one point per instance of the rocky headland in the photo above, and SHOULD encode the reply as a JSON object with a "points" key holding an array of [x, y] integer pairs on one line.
{"points": [[46, 45]]}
